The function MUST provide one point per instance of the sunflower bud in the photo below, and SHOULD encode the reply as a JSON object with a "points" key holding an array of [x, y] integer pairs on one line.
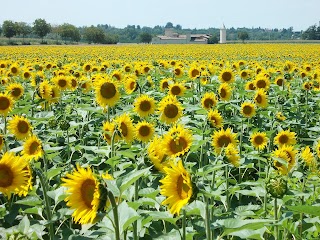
{"points": [[52, 123], [64, 125], [277, 187]]}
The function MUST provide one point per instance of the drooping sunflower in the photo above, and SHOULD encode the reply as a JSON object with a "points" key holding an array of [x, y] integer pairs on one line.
{"points": [[209, 100], [45, 89], [164, 84], [13, 177], [176, 186], [291, 158], [308, 158], [107, 93], [156, 153], [125, 127], [223, 138], [259, 140], [15, 90], [232, 154], [285, 137], [83, 194], [130, 85], [6, 103], [282, 168], [73, 83], [170, 109], [250, 85], [226, 76], [177, 141], [280, 116], [144, 105], [307, 85], [108, 129], [144, 131], [248, 109], [225, 92], [178, 72], [54, 95], [215, 118], [177, 89], [32, 148], [20, 127], [261, 98]]}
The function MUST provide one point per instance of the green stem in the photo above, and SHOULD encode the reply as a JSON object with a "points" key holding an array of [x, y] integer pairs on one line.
{"points": [[46, 202], [5, 133], [115, 215], [135, 224], [227, 187], [207, 220], [184, 223], [276, 229]]}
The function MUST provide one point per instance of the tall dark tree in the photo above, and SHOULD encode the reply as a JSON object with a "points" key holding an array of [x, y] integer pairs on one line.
{"points": [[23, 29], [243, 35], [94, 35], [145, 37], [69, 32], [41, 28], [9, 29], [169, 25]]}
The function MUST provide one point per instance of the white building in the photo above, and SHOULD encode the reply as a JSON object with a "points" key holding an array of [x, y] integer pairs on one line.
{"points": [[223, 34]]}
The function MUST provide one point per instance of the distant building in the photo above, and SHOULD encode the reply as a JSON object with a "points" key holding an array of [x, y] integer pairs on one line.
{"points": [[171, 37], [223, 34]]}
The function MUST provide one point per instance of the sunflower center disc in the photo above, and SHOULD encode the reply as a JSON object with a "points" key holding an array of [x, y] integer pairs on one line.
{"points": [[182, 188], [16, 92], [144, 131], [224, 141], [171, 111], [87, 191], [6, 176], [259, 99], [247, 110], [223, 93], [145, 106], [175, 90], [62, 83], [195, 72], [261, 84], [283, 139], [208, 103], [23, 127], [258, 140], [33, 148], [4, 103], [226, 76], [132, 85], [177, 146], [124, 129], [108, 90], [14, 70]]}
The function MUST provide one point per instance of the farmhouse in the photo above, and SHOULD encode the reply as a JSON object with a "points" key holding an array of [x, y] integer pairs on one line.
{"points": [[170, 37]]}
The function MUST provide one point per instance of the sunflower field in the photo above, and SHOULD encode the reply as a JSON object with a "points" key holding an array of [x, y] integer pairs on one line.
{"points": [[160, 142]]}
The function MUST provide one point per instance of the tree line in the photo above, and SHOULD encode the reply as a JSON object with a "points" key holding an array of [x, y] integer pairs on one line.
{"points": [[107, 34]]}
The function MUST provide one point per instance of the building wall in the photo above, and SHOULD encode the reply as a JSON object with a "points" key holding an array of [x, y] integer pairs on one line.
{"points": [[157, 40], [223, 35]]}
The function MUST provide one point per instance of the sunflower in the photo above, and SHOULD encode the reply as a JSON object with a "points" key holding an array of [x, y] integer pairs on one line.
{"points": [[308, 158], [248, 109], [178, 72], [125, 127], [262, 82], [232, 154], [259, 140], [317, 149], [279, 81], [226, 76], [225, 92], [144, 131], [83, 194], [45, 89], [164, 84], [14, 69], [215, 118], [32, 148], [250, 86], [15, 90], [73, 83], [261, 98], [20, 127], [307, 85], [208, 100], [177, 141], [54, 95], [156, 154], [130, 85], [6, 103], [280, 116], [244, 74], [170, 109], [127, 68], [144, 105], [194, 72], [107, 93], [223, 138], [176, 186], [177, 89], [280, 154], [108, 129], [285, 137], [87, 67], [13, 175], [1, 141], [62, 82]]}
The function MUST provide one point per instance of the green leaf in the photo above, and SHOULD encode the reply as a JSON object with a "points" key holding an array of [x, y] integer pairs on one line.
{"points": [[250, 234], [126, 216], [312, 210], [57, 195], [30, 201], [24, 225], [125, 182], [54, 172], [161, 216]]}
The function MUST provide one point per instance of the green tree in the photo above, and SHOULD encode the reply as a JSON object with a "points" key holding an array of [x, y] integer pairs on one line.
{"points": [[243, 36], [94, 35], [169, 25], [9, 29], [145, 37], [23, 29], [213, 39], [41, 28], [69, 32]]}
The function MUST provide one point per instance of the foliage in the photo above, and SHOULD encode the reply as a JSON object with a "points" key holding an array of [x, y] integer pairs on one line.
{"points": [[41, 28], [145, 37], [9, 28], [213, 39], [312, 33], [69, 32]]}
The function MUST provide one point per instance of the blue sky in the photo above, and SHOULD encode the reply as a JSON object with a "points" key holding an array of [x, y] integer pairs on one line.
{"points": [[299, 14]]}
